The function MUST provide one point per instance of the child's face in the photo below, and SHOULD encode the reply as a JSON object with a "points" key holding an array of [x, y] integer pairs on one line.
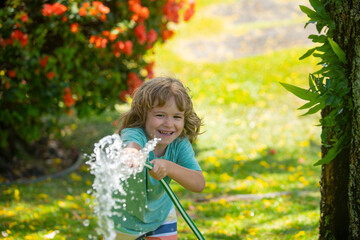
{"points": [[166, 122]]}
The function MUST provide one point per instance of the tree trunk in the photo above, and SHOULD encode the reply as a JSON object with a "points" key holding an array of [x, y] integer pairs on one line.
{"points": [[340, 180], [354, 178], [334, 218]]}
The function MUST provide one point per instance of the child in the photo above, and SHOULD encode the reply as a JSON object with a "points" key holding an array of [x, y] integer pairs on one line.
{"points": [[160, 108]]}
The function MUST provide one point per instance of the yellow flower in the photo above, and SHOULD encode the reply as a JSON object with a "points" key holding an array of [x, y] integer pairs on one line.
{"points": [[75, 177], [264, 164], [299, 234], [240, 158], [252, 231], [69, 197], [225, 177], [17, 194], [61, 204], [222, 201], [267, 203], [211, 185], [304, 143]]}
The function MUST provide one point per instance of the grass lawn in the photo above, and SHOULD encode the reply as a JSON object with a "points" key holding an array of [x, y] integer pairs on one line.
{"points": [[254, 142]]}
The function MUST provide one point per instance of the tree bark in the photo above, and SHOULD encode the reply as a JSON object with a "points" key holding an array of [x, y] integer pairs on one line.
{"points": [[334, 217], [354, 176], [337, 190]]}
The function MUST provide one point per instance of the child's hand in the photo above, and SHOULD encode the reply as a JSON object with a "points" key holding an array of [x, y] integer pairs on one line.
{"points": [[160, 169], [132, 160]]}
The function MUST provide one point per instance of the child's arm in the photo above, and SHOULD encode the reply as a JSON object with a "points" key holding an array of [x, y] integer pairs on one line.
{"points": [[190, 179]]}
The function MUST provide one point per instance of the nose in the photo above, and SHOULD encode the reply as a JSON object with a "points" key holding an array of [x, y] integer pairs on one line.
{"points": [[168, 122]]}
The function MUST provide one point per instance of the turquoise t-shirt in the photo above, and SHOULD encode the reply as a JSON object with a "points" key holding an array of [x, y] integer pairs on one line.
{"points": [[147, 203]]}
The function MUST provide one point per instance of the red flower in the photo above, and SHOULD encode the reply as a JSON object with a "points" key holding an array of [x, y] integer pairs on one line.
{"points": [[189, 12], [123, 95], [171, 11], [50, 75], [144, 13], [100, 42], [105, 33], [74, 27], [24, 17], [101, 7], [112, 37], [140, 33], [152, 36], [272, 151], [54, 9], [18, 35], [149, 69], [86, 5], [11, 73], [128, 47], [24, 40], [68, 99], [82, 12], [47, 10], [133, 82], [43, 61], [58, 9], [166, 34]]}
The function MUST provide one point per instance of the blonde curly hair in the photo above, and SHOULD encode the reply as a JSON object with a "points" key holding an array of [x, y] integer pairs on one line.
{"points": [[159, 90]]}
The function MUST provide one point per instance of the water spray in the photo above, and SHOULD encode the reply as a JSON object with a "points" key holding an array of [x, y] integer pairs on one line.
{"points": [[112, 166]]}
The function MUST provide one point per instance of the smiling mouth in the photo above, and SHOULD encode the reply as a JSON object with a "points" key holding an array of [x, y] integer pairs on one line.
{"points": [[166, 133]]}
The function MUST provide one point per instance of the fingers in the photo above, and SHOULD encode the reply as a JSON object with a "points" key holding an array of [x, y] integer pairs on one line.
{"points": [[131, 157], [159, 171]]}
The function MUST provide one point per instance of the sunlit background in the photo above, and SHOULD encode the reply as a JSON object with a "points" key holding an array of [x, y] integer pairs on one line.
{"points": [[256, 150]]}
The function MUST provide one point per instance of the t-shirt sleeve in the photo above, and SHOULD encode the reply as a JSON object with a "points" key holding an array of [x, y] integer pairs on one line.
{"points": [[186, 156], [136, 135]]}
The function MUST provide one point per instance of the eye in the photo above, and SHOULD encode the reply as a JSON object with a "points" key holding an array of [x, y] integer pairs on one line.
{"points": [[160, 115], [178, 117]]}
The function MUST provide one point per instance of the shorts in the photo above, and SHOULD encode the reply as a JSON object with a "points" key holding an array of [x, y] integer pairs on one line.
{"points": [[166, 231]]}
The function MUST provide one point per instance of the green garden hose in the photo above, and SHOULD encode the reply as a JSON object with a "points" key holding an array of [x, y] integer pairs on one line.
{"points": [[178, 205]]}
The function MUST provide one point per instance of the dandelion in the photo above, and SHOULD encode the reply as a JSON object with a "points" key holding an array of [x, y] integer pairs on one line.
{"points": [[264, 164], [300, 234], [17, 194], [225, 177], [75, 177]]}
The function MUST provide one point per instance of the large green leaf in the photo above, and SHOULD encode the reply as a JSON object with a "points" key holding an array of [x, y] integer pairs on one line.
{"points": [[308, 53], [300, 92], [334, 151], [338, 51], [310, 13]]}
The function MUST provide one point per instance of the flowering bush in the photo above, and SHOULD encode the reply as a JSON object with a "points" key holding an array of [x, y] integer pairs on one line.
{"points": [[74, 57]]}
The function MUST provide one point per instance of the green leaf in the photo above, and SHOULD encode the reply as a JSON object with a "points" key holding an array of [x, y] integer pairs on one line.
{"points": [[333, 152], [317, 5], [307, 54], [308, 105], [314, 109], [310, 13], [300, 92], [338, 51]]}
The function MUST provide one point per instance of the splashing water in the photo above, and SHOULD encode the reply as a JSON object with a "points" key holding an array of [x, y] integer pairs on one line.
{"points": [[111, 166]]}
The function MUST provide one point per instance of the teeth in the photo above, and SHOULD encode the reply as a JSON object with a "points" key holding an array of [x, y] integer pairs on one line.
{"points": [[167, 133]]}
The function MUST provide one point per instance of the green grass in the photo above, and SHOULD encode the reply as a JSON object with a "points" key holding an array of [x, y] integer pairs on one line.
{"points": [[254, 142]]}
